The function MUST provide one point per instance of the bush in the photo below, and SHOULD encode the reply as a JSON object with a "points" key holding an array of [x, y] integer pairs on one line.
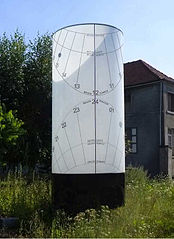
{"points": [[10, 131]]}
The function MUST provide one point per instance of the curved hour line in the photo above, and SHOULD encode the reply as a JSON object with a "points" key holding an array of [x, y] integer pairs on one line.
{"points": [[67, 150], [119, 45], [80, 60], [110, 105], [108, 137], [83, 164], [115, 147], [84, 52], [65, 63], [56, 43], [55, 165], [118, 66], [78, 145], [67, 81], [57, 162], [62, 46], [117, 150], [108, 62], [68, 169], [71, 111], [69, 146], [84, 33], [114, 158], [74, 167], [120, 159], [114, 167], [62, 155], [69, 52], [81, 137], [113, 164], [82, 91]]}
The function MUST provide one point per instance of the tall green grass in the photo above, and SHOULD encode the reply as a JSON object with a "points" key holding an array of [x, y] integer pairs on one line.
{"points": [[148, 210], [21, 197]]}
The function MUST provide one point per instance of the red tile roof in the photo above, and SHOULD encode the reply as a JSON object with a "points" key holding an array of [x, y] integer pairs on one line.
{"points": [[140, 72]]}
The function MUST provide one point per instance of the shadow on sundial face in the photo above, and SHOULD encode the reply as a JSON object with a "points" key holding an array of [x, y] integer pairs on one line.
{"points": [[74, 59], [88, 134]]}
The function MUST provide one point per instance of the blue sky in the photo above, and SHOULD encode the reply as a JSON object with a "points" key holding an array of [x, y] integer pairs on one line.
{"points": [[148, 25]]}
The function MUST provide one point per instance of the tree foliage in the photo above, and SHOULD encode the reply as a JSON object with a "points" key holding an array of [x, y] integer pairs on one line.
{"points": [[25, 86], [10, 130], [37, 106], [12, 61]]}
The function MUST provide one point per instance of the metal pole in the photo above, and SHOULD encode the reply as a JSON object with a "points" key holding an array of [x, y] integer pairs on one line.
{"points": [[95, 133]]}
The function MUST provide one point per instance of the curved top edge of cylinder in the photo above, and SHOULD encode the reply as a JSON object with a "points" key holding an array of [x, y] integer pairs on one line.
{"points": [[81, 24]]}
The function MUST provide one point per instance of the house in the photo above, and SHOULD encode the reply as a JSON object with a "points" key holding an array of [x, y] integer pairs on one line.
{"points": [[149, 115]]}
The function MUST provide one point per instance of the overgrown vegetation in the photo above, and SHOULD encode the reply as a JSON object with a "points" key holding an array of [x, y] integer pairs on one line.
{"points": [[148, 210], [25, 86]]}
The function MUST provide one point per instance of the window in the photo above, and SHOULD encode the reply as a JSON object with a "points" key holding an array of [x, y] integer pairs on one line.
{"points": [[171, 139], [132, 138], [171, 102]]}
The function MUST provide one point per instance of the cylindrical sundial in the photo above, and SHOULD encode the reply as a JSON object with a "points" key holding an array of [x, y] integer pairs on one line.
{"points": [[88, 148]]}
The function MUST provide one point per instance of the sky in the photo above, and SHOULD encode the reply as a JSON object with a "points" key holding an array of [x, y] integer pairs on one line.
{"points": [[148, 25]]}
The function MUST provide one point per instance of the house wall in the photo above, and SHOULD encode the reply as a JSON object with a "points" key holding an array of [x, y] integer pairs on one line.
{"points": [[168, 121], [144, 114], [168, 116]]}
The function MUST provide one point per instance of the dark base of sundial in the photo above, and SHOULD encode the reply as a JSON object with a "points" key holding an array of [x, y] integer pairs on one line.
{"points": [[77, 192]]}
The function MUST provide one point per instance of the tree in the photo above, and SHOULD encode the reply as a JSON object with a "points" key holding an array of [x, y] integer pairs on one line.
{"points": [[10, 131], [25, 85], [12, 63], [37, 98]]}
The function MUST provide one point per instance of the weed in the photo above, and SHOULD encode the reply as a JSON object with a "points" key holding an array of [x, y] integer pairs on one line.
{"points": [[148, 210]]}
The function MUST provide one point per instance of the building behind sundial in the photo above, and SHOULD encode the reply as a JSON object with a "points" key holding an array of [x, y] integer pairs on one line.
{"points": [[149, 110]]}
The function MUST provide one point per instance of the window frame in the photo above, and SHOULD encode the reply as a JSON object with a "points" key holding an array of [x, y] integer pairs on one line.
{"points": [[131, 136], [170, 106], [171, 136]]}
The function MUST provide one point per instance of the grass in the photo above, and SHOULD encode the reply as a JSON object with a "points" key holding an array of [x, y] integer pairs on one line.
{"points": [[148, 210]]}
